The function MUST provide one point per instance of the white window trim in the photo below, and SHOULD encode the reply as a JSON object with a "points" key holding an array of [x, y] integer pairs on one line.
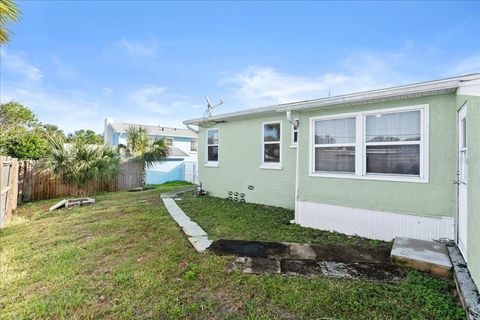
{"points": [[270, 165], [293, 144], [193, 151], [211, 163], [169, 139], [360, 146]]}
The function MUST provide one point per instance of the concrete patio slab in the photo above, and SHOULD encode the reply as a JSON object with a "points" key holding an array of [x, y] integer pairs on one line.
{"points": [[422, 255]]}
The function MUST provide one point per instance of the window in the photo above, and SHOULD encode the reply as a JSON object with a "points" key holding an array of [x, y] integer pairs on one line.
{"points": [[271, 145], [169, 142], [387, 144], [393, 143], [212, 146], [193, 145], [294, 135], [335, 145]]}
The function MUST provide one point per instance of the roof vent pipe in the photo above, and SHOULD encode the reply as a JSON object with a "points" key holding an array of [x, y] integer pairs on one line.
{"points": [[291, 120], [189, 127]]}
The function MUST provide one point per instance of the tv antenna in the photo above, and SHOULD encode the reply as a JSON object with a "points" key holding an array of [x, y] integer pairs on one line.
{"points": [[210, 107]]}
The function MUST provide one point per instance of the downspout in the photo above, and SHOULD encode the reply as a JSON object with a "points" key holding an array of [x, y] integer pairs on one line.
{"points": [[295, 124], [189, 127]]}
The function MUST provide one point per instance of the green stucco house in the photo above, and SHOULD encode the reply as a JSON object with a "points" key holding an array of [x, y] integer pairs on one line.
{"points": [[401, 161]]}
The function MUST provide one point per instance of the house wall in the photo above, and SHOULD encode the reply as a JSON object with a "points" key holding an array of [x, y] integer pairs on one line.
{"points": [[164, 171], [108, 131], [240, 160], [435, 198], [183, 144], [473, 196]]}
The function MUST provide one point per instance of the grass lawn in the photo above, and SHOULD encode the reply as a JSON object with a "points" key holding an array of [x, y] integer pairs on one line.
{"points": [[125, 258], [225, 219]]}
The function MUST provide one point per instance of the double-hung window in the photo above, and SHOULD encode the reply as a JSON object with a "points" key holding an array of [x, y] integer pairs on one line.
{"points": [[335, 145], [387, 144], [271, 145], [212, 147], [294, 141], [393, 142]]}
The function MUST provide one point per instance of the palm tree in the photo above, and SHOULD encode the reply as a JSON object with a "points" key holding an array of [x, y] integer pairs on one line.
{"points": [[9, 12], [80, 164], [140, 149]]}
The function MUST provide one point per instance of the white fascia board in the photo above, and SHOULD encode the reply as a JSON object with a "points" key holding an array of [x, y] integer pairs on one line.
{"points": [[400, 92], [403, 92], [469, 88]]}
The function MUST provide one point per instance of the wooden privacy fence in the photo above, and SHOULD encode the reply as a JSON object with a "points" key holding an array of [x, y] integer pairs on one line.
{"points": [[35, 185], [8, 188]]}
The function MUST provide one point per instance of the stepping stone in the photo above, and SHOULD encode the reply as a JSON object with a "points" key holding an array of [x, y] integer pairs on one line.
{"points": [[260, 265], [422, 255], [200, 243], [194, 230], [301, 251]]}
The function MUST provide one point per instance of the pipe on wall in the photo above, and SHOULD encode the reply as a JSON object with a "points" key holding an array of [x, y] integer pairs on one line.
{"points": [[189, 127], [295, 124]]}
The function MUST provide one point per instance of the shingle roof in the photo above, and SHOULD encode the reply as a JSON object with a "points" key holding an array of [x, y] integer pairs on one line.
{"points": [[176, 152], [155, 130]]}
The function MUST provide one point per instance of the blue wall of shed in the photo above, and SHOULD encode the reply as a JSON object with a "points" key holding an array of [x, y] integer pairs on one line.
{"points": [[157, 177]]}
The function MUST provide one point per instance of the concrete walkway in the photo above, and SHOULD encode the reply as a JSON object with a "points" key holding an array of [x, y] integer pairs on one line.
{"points": [[196, 235]]}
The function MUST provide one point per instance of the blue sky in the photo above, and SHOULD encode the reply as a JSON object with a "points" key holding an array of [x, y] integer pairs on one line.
{"points": [[75, 63]]}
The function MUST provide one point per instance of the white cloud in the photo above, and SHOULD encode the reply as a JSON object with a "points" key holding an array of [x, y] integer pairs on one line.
{"points": [[69, 110], [467, 66], [14, 61], [62, 70], [261, 85], [157, 99], [107, 91], [148, 97], [138, 48]]}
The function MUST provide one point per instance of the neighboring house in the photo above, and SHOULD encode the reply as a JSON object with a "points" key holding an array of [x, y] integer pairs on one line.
{"points": [[378, 164], [181, 163]]}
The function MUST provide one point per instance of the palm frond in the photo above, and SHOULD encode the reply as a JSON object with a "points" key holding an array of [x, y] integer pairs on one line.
{"points": [[9, 12]]}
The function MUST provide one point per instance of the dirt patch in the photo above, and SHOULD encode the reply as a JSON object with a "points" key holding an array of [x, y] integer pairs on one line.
{"points": [[322, 252], [311, 268], [335, 261], [352, 253], [248, 248]]}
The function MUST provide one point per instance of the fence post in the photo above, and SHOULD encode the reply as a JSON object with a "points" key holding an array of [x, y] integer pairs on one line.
{"points": [[14, 184], [8, 199], [2, 204]]}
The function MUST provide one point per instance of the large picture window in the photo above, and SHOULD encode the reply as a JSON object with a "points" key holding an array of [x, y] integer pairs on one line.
{"points": [[271, 145], [212, 146], [388, 144]]}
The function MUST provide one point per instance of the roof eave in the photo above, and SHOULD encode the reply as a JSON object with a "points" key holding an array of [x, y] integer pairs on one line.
{"points": [[401, 92], [375, 96]]}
